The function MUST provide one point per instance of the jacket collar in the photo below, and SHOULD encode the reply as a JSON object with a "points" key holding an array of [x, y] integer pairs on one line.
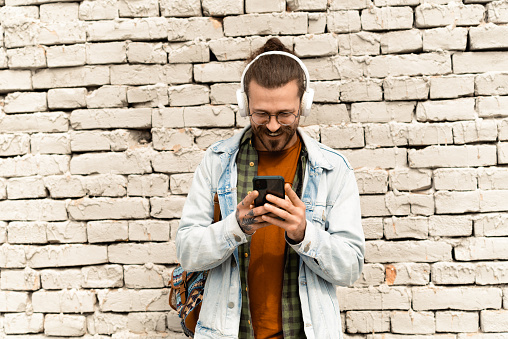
{"points": [[315, 153]]}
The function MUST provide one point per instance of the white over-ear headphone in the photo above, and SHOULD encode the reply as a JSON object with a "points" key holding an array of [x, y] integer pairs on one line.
{"points": [[307, 97]]}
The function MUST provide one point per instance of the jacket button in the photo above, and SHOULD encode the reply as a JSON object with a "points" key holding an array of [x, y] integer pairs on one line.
{"points": [[231, 304]]}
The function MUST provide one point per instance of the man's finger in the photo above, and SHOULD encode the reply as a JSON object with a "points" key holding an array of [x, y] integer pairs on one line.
{"points": [[292, 195], [249, 199]]}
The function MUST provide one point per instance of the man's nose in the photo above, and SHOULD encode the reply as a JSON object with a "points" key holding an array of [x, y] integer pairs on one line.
{"points": [[273, 125]]}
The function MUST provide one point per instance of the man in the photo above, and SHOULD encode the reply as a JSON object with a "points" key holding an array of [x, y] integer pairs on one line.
{"points": [[272, 267]]}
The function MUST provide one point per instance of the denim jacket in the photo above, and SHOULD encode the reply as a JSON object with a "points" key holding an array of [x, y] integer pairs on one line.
{"points": [[331, 252]]}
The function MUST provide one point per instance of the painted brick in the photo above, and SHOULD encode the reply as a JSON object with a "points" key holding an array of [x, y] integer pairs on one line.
{"points": [[463, 179], [492, 107], [457, 321], [325, 114], [150, 95], [361, 90], [497, 12], [146, 276], [343, 21], [491, 273], [71, 77], [21, 102], [457, 202], [12, 256], [428, 134], [15, 80], [14, 144], [150, 74], [343, 136], [20, 280], [479, 62], [13, 301], [39, 209], [390, 41], [481, 249], [335, 68], [402, 228], [410, 179], [373, 298], [404, 251], [180, 52], [407, 274], [422, 204], [64, 325], [410, 65], [98, 10], [491, 83], [128, 29], [22, 323], [317, 23], [172, 139], [446, 110], [387, 18], [479, 130], [108, 208], [492, 178], [111, 118], [315, 45], [450, 38], [218, 8], [381, 3], [66, 255], [230, 71], [390, 134], [66, 232], [444, 273], [307, 5], [372, 181], [27, 233], [26, 57], [410, 322], [107, 231], [452, 156], [443, 15], [204, 138], [103, 276], [106, 185], [372, 275], [176, 9], [106, 323], [149, 185], [149, 230], [488, 36], [262, 24], [493, 320], [180, 183], [252, 6], [367, 321], [361, 43], [451, 86], [57, 279], [53, 143], [148, 321], [63, 301], [462, 298], [377, 158], [107, 96], [65, 98], [405, 88], [224, 93], [128, 300], [169, 207], [138, 8], [382, 111]]}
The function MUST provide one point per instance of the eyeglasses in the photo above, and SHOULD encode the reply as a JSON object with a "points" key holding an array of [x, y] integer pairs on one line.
{"points": [[283, 118]]}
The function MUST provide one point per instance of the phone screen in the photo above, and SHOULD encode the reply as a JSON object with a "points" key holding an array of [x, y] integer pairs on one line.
{"points": [[268, 185]]}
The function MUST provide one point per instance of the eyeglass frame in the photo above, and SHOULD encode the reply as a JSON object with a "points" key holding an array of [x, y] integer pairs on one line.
{"points": [[276, 115]]}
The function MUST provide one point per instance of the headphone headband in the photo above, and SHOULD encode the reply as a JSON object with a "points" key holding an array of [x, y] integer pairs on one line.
{"points": [[307, 97]]}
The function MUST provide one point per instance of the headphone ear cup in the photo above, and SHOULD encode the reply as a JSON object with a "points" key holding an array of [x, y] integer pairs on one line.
{"points": [[241, 99], [307, 99]]}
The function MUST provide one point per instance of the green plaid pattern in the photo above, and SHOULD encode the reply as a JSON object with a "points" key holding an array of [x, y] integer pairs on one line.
{"points": [[292, 321]]}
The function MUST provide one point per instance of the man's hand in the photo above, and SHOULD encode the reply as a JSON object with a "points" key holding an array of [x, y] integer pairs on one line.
{"points": [[248, 216], [291, 210]]}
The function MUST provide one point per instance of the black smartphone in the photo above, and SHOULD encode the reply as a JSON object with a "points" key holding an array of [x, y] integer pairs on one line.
{"points": [[271, 184]]}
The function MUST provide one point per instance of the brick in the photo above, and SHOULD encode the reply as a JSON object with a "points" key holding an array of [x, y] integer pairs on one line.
{"points": [[106, 185], [403, 251], [491, 225], [151, 95], [497, 12], [315, 45], [65, 186], [66, 56], [457, 202], [65, 98], [140, 322], [410, 322], [108, 208], [336, 67], [361, 43], [343, 21], [180, 183], [452, 156], [98, 10], [493, 320], [372, 274], [252, 6], [491, 83], [390, 42], [367, 321], [146, 276], [479, 130], [103, 276], [488, 36], [194, 51], [463, 179], [175, 9], [492, 107], [111, 118], [428, 134], [128, 300], [62, 33], [377, 158], [372, 228], [382, 111], [444, 273], [307, 5], [481, 249], [205, 138], [10, 14], [451, 86], [168, 117], [56, 279], [188, 95], [14, 144], [66, 255], [64, 325], [71, 77], [407, 274], [446, 110], [66, 232], [146, 53], [194, 28], [326, 114], [106, 53], [20, 280], [450, 38], [149, 230], [262, 24], [54, 143], [63, 301], [427, 16], [223, 93], [410, 228], [421, 204], [107, 231], [456, 321], [26, 57], [172, 139], [381, 3], [343, 136], [27, 233], [387, 18], [326, 91], [219, 71], [14, 80], [208, 116], [107, 96], [21, 102], [151, 74], [492, 178], [373, 298], [405, 88], [3, 232], [361, 90], [29, 165], [502, 153], [491, 273], [410, 65], [503, 130], [41, 209], [106, 323], [13, 301], [391, 134], [227, 49], [148, 185], [169, 162], [462, 298], [218, 8], [138, 8], [169, 207], [128, 29], [410, 179], [12, 257], [479, 62], [22, 323], [372, 181]]}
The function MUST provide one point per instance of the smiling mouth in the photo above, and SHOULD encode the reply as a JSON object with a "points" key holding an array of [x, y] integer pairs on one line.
{"points": [[273, 134]]}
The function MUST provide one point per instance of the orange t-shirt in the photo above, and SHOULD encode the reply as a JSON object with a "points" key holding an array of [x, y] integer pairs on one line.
{"points": [[267, 253]]}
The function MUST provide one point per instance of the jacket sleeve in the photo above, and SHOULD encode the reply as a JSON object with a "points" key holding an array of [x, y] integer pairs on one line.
{"points": [[336, 252], [200, 243]]}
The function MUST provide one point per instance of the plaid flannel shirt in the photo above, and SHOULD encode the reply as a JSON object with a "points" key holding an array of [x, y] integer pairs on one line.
{"points": [[292, 321]]}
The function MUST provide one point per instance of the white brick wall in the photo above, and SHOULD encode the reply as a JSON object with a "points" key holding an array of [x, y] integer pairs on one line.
{"points": [[106, 108]]}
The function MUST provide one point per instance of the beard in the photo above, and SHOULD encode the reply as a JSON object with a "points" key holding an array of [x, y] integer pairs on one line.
{"points": [[264, 136]]}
